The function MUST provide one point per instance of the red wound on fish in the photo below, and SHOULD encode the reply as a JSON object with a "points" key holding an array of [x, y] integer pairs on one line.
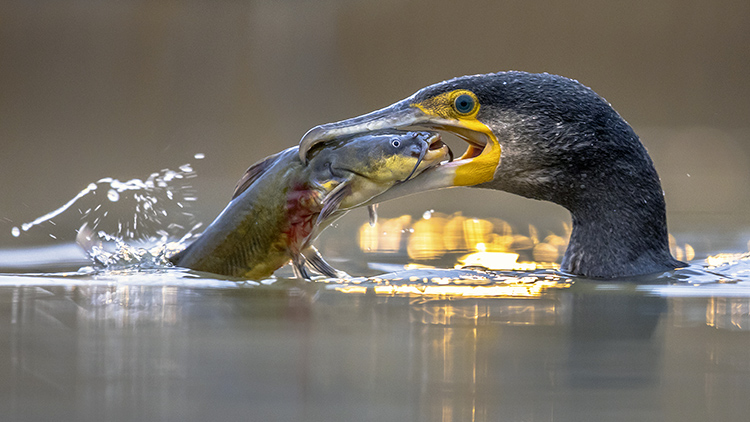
{"points": [[302, 207]]}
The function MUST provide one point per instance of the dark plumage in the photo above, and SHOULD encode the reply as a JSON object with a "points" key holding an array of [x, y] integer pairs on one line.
{"points": [[560, 142], [565, 144]]}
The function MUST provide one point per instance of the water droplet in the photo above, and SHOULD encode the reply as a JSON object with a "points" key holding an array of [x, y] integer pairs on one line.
{"points": [[113, 196], [427, 215], [199, 156], [15, 231]]}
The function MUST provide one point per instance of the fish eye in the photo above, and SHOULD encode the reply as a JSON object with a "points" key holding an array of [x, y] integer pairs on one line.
{"points": [[395, 143], [464, 103]]}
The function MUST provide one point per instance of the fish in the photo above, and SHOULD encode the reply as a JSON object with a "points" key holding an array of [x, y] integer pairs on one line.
{"points": [[281, 204]]}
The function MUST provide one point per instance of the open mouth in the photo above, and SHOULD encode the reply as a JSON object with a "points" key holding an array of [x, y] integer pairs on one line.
{"points": [[404, 118], [437, 151], [476, 165], [477, 143], [479, 161], [471, 152], [441, 146]]}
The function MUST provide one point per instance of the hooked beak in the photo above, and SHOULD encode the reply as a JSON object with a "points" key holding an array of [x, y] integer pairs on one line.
{"points": [[476, 165], [396, 116]]}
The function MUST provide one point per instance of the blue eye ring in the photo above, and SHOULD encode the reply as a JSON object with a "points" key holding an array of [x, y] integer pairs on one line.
{"points": [[464, 104]]}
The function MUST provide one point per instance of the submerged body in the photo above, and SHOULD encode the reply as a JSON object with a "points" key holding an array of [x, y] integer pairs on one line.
{"points": [[280, 205]]}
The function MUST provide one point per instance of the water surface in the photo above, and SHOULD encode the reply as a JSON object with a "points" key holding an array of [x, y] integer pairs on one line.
{"points": [[173, 345]]}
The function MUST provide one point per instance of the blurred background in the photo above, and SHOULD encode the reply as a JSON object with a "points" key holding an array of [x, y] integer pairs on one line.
{"points": [[92, 89]]}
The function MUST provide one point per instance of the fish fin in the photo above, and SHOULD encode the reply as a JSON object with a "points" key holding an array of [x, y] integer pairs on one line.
{"points": [[333, 200], [252, 174], [298, 265], [372, 211], [316, 261]]}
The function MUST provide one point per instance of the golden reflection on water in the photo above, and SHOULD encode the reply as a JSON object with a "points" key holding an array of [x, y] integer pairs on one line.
{"points": [[446, 287], [728, 313], [435, 235], [547, 311], [724, 259], [682, 253], [500, 261]]}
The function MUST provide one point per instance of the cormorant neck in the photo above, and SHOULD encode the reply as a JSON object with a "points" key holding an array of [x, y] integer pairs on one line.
{"points": [[619, 229], [598, 169]]}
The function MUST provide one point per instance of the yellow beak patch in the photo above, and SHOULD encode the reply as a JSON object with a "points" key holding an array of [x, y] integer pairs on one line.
{"points": [[456, 111]]}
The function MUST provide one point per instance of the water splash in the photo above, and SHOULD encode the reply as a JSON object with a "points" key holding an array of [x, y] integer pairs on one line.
{"points": [[110, 253], [132, 225], [150, 210]]}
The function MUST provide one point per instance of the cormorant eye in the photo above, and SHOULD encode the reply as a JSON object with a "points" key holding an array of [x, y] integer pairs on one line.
{"points": [[396, 143], [464, 103]]}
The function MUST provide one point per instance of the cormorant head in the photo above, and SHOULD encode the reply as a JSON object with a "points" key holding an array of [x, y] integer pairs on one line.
{"points": [[455, 106], [538, 135], [544, 137]]}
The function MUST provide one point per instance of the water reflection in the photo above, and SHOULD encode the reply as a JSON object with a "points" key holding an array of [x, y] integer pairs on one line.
{"points": [[464, 358], [535, 359], [305, 351], [491, 243], [726, 313], [443, 283]]}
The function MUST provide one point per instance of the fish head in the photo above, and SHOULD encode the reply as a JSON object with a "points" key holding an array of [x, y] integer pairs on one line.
{"points": [[374, 162], [384, 157]]}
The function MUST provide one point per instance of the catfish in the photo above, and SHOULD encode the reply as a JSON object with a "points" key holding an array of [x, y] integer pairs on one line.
{"points": [[281, 204]]}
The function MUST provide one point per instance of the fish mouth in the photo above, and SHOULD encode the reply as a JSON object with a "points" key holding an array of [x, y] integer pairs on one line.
{"points": [[433, 153], [476, 165]]}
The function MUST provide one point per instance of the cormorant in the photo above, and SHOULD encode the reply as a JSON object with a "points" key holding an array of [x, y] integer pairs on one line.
{"points": [[544, 137]]}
